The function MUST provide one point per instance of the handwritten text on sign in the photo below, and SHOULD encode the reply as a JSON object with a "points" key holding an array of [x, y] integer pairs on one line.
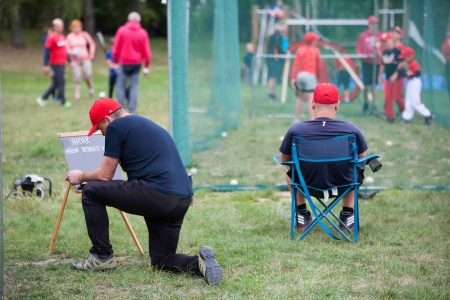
{"points": [[84, 152]]}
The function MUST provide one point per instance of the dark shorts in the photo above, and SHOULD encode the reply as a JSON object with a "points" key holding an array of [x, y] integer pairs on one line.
{"points": [[367, 71], [317, 193], [343, 79], [275, 69]]}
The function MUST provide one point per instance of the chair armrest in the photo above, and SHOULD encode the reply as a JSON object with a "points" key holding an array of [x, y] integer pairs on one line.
{"points": [[367, 158], [370, 160], [278, 160]]}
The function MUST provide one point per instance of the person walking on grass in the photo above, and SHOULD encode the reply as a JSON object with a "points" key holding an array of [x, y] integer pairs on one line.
{"points": [[367, 45], [81, 48], [131, 48], [275, 63], [305, 71], [158, 188], [411, 69], [55, 54], [390, 59], [112, 70]]}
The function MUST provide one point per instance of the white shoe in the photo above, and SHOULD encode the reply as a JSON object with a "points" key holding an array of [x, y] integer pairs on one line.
{"points": [[41, 102]]}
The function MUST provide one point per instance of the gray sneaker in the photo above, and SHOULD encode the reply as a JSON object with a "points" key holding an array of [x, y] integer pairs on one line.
{"points": [[94, 263], [209, 267]]}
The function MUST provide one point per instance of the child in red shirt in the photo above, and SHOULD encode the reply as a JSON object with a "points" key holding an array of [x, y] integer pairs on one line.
{"points": [[392, 92]]}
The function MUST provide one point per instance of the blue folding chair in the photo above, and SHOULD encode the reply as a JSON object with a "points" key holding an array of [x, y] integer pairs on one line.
{"points": [[335, 152]]}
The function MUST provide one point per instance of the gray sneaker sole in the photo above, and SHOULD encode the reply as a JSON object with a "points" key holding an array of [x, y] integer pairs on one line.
{"points": [[213, 272]]}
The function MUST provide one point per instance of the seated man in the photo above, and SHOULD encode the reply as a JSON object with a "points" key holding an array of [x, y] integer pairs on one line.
{"points": [[325, 104]]}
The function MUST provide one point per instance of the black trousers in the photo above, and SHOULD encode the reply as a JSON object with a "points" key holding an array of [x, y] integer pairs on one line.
{"points": [[58, 82], [112, 83], [163, 214]]}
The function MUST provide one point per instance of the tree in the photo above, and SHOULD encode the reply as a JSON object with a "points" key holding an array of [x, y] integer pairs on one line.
{"points": [[89, 17], [16, 24]]}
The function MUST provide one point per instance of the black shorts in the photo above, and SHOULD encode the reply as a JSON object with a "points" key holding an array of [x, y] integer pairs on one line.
{"points": [[275, 68], [318, 193], [343, 79], [367, 71]]}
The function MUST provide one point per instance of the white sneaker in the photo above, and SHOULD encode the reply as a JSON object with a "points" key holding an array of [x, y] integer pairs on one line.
{"points": [[41, 102]]}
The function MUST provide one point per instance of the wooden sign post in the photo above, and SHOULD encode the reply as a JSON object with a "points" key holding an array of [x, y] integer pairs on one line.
{"points": [[84, 153]]}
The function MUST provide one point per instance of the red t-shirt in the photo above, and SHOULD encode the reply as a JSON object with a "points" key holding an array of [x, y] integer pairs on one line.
{"points": [[366, 45], [307, 59], [56, 43], [413, 69]]}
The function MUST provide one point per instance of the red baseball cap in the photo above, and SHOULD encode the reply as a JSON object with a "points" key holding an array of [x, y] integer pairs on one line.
{"points": [[372, 19], [326, 93], [100, 110], [386, 36], [398, 29], [408, 51], [310, 37]]}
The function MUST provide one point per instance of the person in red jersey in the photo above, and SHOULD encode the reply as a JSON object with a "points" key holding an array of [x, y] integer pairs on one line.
{"points": [[55, 54], [397, 33], [367, 44]]}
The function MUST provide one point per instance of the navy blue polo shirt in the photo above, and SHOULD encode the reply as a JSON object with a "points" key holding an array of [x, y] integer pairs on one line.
{"points": [[147, 152], [324, 176]]}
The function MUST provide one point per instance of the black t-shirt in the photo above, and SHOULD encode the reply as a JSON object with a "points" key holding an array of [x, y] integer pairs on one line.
{"points": [[324, 176], [275, 45], [390, 60], [147, 152]]}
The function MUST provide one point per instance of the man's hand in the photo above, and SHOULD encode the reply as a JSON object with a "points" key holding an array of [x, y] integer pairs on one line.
{"points": [[293, 81], [380, 80], [46, 71], [74, 177], [146, 71]]}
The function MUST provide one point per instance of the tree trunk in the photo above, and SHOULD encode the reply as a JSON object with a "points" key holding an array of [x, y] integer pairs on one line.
{"points": [[134, 5], [89, 17], [16, 25], [2, 2]]}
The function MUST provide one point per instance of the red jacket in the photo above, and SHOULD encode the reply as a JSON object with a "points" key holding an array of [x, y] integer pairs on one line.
{"points": [[132, 45], [366, 45], [307, 59]]}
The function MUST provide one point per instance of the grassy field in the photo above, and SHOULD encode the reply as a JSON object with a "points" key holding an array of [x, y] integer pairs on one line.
{"points": [[402, 253]]}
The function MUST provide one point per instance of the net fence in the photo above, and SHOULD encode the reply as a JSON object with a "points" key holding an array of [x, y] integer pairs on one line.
{"points": [[340, 24], [224, 77]]}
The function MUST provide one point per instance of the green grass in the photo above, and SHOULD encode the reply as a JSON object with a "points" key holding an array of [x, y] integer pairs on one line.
{"points": [[402, 252]]}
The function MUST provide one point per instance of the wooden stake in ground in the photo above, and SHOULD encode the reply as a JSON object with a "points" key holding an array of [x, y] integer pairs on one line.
{"points": [[285, 80], [349, 69], [61, 212]]}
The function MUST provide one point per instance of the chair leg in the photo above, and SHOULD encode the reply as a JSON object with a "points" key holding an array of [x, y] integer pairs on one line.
{"points": [[293, 212]]}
